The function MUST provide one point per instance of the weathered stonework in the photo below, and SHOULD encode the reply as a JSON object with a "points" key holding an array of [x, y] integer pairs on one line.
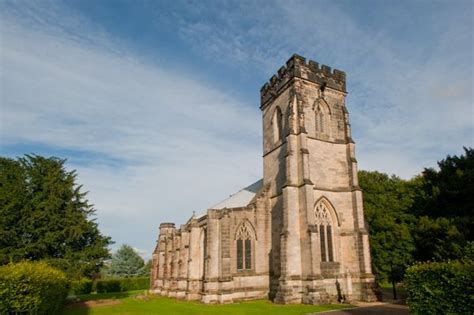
{"points": [[298, 235]]}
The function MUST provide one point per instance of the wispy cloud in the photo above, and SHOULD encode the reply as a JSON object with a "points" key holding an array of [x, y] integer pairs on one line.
{"points": [[157, 142], [410, 72], [182, 144]]}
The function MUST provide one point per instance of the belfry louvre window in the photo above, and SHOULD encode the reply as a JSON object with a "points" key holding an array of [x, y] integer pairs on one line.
{"points": [[324, 222], [244, 248]]}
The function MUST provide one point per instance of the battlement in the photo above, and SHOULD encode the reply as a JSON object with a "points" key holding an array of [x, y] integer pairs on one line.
{"points": [[297, 67], [167, 225]]}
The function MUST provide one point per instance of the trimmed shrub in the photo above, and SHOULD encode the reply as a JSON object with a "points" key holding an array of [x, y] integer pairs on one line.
{"points": [[122, 284], [83, 286], [139, 283], [32, 287], [108, 285], [441, 288]]}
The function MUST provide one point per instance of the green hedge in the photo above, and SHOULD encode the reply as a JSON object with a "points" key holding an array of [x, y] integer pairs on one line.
{"points": [[83, 286], [122, 284], [141, 283], [108, 285], [32, 287], [441, 288]]}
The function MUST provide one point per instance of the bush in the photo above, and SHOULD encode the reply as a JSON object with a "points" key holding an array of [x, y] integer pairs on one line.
{"points": [[32, 287], [83, 286], [141, 283], [108, 285], [122, 284], [441, 288]]}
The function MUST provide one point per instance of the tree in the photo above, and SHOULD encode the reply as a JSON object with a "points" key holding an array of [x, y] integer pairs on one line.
{"points": [[44, 215], [13, 197], [445, 204], [126, 263], [387, 205]]}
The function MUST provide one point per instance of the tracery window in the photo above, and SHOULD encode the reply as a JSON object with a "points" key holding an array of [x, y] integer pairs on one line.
{"points": [[277, 124], [324, 222], [244, 247]]}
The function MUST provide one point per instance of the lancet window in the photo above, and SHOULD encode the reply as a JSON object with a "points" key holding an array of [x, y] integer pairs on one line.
{"points": [[277, 124], [325, 228], [244, 238], [322, 118]]}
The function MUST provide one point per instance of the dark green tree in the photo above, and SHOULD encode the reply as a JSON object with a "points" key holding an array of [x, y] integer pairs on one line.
{"points": [[126, 263], [445, 205], [44, 215], [13, 198], [387, 205]]}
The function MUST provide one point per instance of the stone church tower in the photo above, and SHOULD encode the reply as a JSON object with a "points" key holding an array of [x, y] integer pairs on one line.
{"points": [[319, 236], [298, 235]]}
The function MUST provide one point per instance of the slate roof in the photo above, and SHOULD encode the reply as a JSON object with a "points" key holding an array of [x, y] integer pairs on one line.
{"points": [[241, 198], [238, 200]]}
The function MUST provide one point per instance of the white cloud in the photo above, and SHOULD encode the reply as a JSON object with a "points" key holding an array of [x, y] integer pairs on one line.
{"points": [[181, 145], [410, 90], [178, 141]]}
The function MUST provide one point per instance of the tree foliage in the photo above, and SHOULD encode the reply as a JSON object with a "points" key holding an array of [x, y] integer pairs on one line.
{"points": [[445, 205], [387, 202], [429, 217], [44, 215], [126, 263]]}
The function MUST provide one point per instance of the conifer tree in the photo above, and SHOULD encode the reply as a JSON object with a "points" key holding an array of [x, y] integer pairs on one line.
{"points": [[44, 215], [126, 263]]}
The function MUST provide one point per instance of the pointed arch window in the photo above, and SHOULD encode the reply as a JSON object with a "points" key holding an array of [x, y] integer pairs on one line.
{"points": [[320, 122], [325, 227], [277, 124], [322, 119], [244, 239]]}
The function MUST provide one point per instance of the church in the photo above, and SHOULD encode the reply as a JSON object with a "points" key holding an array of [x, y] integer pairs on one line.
{"points": [[296, 236]]}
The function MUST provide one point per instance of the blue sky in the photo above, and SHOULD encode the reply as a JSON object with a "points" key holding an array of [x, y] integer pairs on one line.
{"points": [[155, 103]]}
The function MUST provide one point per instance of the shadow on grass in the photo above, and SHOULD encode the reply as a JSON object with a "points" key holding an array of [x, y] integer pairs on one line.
{"points": [[111, 295], [81, 304]]}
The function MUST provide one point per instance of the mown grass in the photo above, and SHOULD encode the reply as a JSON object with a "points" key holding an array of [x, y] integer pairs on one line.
{"points": [[135, 302], [109, 296]]}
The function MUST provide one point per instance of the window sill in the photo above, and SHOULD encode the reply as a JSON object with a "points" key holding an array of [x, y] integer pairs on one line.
{"points": [[245, 272]]}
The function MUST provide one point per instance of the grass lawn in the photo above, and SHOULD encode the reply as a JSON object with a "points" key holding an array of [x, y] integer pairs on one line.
{"points": [[134, 302]]}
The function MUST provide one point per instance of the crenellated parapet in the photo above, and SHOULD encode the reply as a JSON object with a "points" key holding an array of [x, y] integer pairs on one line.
{"points": [[167, 228], [297, 67], [167, 225]]}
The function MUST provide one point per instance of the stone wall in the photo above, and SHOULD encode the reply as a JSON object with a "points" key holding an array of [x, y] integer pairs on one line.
{"points": [[198, 260]]}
